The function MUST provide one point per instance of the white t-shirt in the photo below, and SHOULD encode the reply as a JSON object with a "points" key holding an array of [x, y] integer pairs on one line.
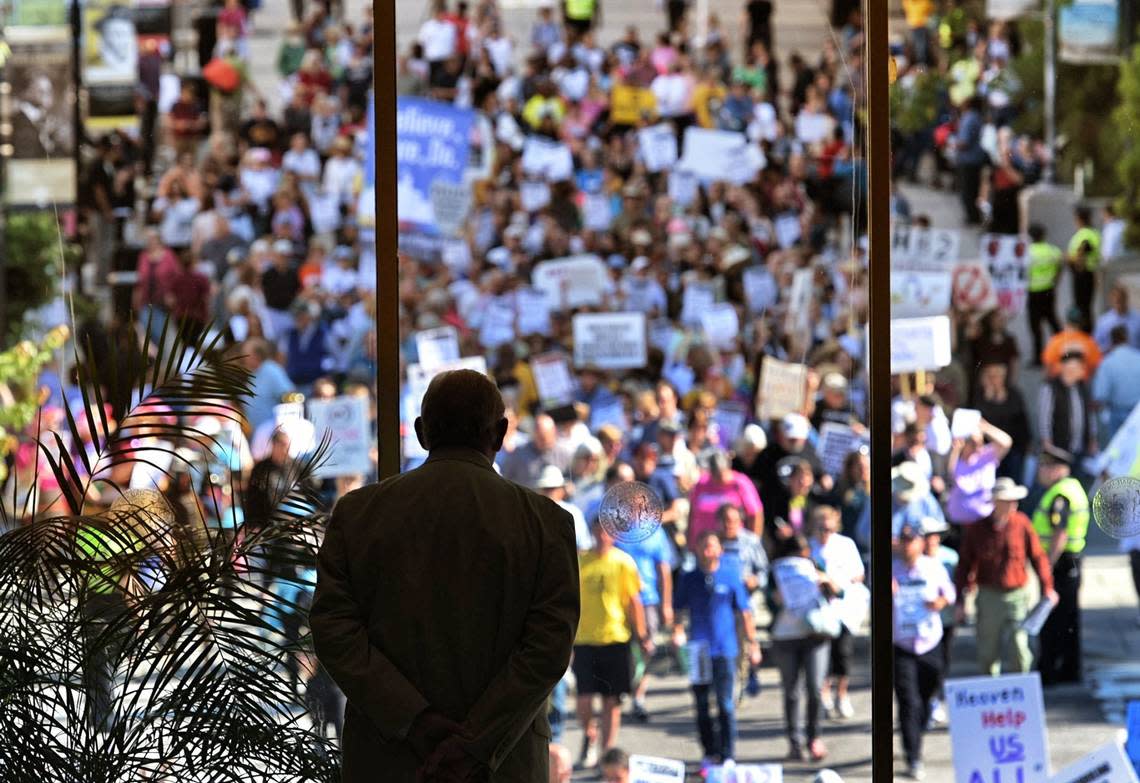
{"points": [[439, 40], [306, 164], [501, 52], [840, 559], [340, 177], [674, 93]]}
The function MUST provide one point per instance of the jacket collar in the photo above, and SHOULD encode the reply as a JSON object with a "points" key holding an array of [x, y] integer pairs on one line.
{"points": [[462, 454]]}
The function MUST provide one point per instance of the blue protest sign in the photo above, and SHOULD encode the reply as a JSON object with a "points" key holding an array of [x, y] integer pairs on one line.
{"points": [[1132, 745], [433, 142]]}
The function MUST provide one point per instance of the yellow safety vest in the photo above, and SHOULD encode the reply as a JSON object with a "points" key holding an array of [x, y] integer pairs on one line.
{"points": [[1092, 236], [1044, 266], [1078, 525], [580, 9]]}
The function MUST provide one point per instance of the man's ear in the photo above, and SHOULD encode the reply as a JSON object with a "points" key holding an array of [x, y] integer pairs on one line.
{"points": [[500, 434], [421, 435]]}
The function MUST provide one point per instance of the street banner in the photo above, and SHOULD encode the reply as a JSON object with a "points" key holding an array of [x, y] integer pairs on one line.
{"points": [[658, 145], [721, 325], [1088, 32], [919, 249], [781, 389], [836, 441], [730, 418], [553, 379], [573, 281], [760, 289], [1006, 256], [41, 169], [547, 159], [433, 143], [650, 769], [110, 57], [720, 156], [973, 288], [347, 422], [437, 346], [1106, 764], [997, 729], [418, 379], [746, 773], [919, 294], [920, 344], [610, 341]]}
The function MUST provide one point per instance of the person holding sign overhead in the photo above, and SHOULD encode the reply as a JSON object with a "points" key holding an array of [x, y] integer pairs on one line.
{"points": [[922, 589]]}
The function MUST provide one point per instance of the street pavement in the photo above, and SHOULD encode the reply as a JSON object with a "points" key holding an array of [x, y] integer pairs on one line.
{"points": [[1080, 717]]}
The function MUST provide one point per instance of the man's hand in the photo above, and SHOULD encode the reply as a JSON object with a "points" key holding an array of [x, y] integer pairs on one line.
{"points": [[755, 656], [1053, 597], [430, 729], [450, 763], [667, 615], [647, 645]]}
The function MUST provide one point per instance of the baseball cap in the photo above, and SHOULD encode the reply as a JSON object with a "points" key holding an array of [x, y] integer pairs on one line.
{"points": [[795, 426], [639, 263], [834, 381], [283, 246], [1054, 455], [550, 478]]}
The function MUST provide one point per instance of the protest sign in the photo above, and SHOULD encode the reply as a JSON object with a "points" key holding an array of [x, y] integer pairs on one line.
{"points": [[918, 249], [570, 282], [695, 300], [498, 326], [533, 195], [450, 202], [1122, 455], [721, 325], [760, 289], [346, 420], [533, 312], [788, 229], [746, 773], [920, 344], [1106, 764], [997, 729], [798, 584], [597, 212], [547, 159], [658, 144], [552, 379], [437, 346], [781, 389], [965, 423], [418, 379], [972, 287], [1006, 257], [797, 318], [919, 294], [432, 145], [456, 255], [836, 441], [730, 418], [650, 769], [720, 156], [683, 187], [629, 105], [610, 341]]}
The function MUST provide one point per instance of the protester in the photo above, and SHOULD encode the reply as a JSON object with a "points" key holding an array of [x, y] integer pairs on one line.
{"points": [[838, 557]]}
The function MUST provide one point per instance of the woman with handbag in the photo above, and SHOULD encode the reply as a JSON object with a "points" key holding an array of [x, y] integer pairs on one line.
{"points": [[805, 625]]}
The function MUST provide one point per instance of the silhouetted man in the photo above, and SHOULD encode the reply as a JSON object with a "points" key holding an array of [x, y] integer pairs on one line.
{"points": [[446, 605]]}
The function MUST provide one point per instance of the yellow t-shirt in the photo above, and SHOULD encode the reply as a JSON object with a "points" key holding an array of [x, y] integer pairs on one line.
{"points": [[703, 97], [629, 105], [607, 583]]}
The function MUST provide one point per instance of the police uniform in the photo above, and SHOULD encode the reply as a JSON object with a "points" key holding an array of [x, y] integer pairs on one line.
{"points": [[1063, 506], [1045, 261], [1084, 274]]}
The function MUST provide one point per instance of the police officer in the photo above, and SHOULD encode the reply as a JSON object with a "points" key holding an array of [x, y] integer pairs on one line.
{"points": [[1045, 262], [1061, 521], [1084, 259]]}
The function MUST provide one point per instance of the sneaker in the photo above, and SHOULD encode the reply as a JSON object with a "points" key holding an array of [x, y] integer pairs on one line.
{"points": [[916, 771], [827, 704], [846, 708], [589, 757], [938, 716], [640, 714], [795, 752]]}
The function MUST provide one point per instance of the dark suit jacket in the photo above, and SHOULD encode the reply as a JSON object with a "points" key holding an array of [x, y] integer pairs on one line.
{"points": [[452, 587]]}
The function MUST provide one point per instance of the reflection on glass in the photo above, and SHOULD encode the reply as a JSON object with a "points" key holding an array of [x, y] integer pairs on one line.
{"points": [[1013, 352], [648, 227]]}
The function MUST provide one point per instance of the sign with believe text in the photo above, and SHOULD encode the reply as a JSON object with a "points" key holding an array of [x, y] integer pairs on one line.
{"points": [[997, 729]]}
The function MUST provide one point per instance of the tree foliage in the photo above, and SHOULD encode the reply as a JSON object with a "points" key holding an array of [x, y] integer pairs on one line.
{"points": [[32, 264], [1127, 117]]}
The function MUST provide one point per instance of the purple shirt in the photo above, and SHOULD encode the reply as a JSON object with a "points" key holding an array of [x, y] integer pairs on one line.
{"points": [[918, 629], [970, 497]]}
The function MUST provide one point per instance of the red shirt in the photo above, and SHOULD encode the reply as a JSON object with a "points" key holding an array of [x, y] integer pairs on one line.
{"points": [[999, 558], [190, 296], [155, 275]]}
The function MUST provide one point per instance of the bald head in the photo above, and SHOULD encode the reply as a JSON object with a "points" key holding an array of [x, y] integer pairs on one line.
{"points": [[545, 432], [462, 408]]}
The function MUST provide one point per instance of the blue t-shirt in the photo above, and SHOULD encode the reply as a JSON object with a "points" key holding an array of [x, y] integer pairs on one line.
{"points": [[664, 483], [648, 554], [713, 601]]}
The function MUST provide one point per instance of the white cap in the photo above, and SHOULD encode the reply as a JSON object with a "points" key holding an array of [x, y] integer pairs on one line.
{"points": [[754, 436], [834, 381], [639, 263], [795, 426], [283, 246], [550, 478]]}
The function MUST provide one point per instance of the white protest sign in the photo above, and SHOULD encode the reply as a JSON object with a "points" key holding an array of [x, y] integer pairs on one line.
{"points": [[788, 229], [814, 128], [1006, 256], [920, 344], [972, 287], [760, 289], [720, 156], [658, 144], [533, 310], [663, 335], [324, 212], [965, 423], [597, 212], [1122, 455], [571, 282], [498, 326], [721, 325], [997, 729], [650, 769], [730, 418], [347, 421], [613, 413], [836, 441], [798, 583], [696, 299], [918, 294], [610, 341], [456, 255], [797, 318], [533, 195], [781, 389], [437, 346], [450, 203], [1106, 764], [746, 773], [547, 159], [552, 379], [683, 187], [418, 380], [933, 249]]}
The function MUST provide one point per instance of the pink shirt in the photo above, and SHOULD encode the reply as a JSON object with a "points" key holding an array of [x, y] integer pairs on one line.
{"points": [[708, 495]]}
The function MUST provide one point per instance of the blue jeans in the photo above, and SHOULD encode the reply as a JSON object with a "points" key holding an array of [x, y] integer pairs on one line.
{"points": [[722, 743]]}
